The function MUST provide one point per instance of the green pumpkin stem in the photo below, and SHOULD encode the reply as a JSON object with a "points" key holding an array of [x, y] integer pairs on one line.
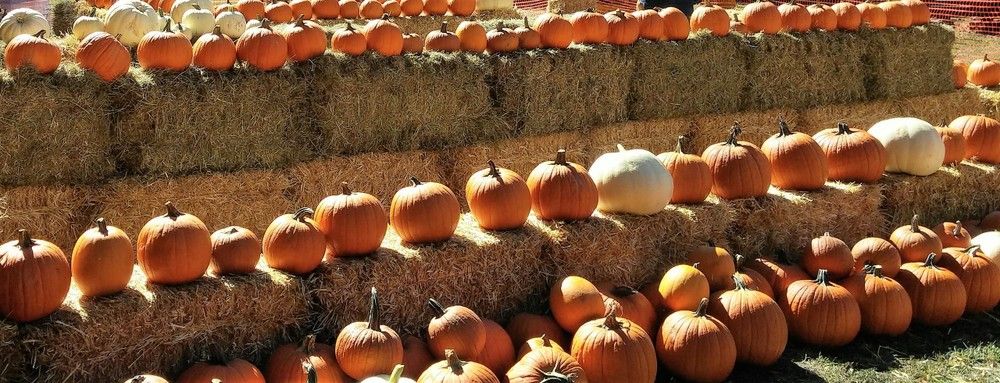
{"points": [[172, 211], [25, 241], [436, 307], [415, 182], [915, 223], [561, 157], [821, 277], [454, 362], [494, 172], [40, 34], [783, 130], [310, 370], [349, 27], [397, 373], [217, 30], [303, 213], [734, 132], [971, 250], [526, 24], [233, 230], [102, 226], [875, 270], [738, 283], [300, 21], [929, 262], [166, 27], [702, 308], [345, 189], [842, 128], [374, 322], [739, 260]]}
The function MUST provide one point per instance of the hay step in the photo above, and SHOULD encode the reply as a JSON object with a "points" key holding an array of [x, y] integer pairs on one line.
{"points": [[969, 190]]}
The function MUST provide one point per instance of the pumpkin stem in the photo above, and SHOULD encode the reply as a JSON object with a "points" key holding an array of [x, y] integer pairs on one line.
{"points": [[958, 229], [555, 376], [444, 27], [233, 230], [373, 314], [494, 172], [93, 12], [310, 370], [611, 321], [500, 26], [876, 270], [299, 21], [265, 23], [526, 25], [349, 27], [739, 260], [308, 344], [385, 16], [561, 157], [217, 30], [929, 262], [453, 361], [915, 223], [166, 28], [680, 144], [102, 226], [415, 182], [821, 278], [344, 189], [733, 133], [172, 211], [436, 307], [397, 372], [842, 128], [40, 34], [783, 129], [702, 308], [25, 239], [196, 7], [302, 213], [620, 148], [738, 282]]}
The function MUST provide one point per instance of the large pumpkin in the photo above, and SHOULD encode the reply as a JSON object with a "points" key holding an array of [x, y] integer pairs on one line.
{"points": [[689, 172], [989, 243], [884, 303], [251, 9], [454, 370], [574, 301], [102, 260], [830, 253], [794, 17], [682, 288], [632, 182], [848, 16], [471, 36], [528, 38], [919, 11], [755, 321], [555, 31], [525, 326], [424, 212], [623, 28], [293, 243], [629, 304], [231, 23], [34, 51], [739, 168], [982, 137], [235, 250], [165, 50], [368, 348], [501, 40], [455, 328], [613, 349], [349, 41], [762, 16], [749, 277], [326, 9], [589, 27], [354, 223], [820, 312], [715, 262], [498, 198], [651, 25], [36, 278], [912, 145], [463, 8], [305, 40], [852, 155], [675, 23], [937, 294], [22, 21], [952, 234], [498, 351], [262, 48], [198, 20], [778, 272], [547, 365], [695, 346], [214, 51], [979, 274], [237, 370], [823, 17], [954, 144], [797, 161], [562, 190], [710, 17], [286, 363], [984, 72], [876, 251], [442, 40], [131, 20], [174, 248], [104, 55], [914, 241]]}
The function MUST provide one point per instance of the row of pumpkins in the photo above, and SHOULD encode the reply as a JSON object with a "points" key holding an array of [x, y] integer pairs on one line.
{"points": [[982, 72], [697, 321]]}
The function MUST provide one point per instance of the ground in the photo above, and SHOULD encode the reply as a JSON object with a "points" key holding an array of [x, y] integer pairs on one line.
{"points": [[970, 46]]}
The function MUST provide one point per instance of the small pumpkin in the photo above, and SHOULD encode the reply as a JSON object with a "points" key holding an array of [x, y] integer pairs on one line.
{"points": [[554, 31], [261, 48], [885, 305], [326, 9], [179, 7], [562, 190], [797, 161], [959, 73], [989, 243], [852, 155], [710, 17], [85, 25], [236, 370], [235, 250], [36, 278], [830, 253], [174, 248], [442, 40], [525, 326], [919, 11], [472, 36], [462, 8], [952, 234], [199, 21], [498, 351], [979, 274], [794, 17], [453, 369], [301, 9], [23, 21], [424, 212], [914, 241], [755, 321], [539, 342], [820, 312], [879, 252], [872, 15], [279, 12], [231, 23], [762, 16], [778, 273], [823, 17], [897, 14], [528, 38], [371, 9], [411, 7], [293, 243], [690, 171], [575, 301], [547, 365], [455, 328], [696, 346], [104, 55], [982, 137], [354, 223], [32, 51], [102, 260], [739, 168], [737, 26], [631, 182], [413, 43], [384, 37], [954, 144], [589, 27], [305, 40], [349, 41], [629, 304], [912, 145], [214, 51], [286, 363], [848, 16], [984, 72], [715, 262], [501, 40], [614, 349], [130, 21], [498, 198], [682, 288], [676, 26], [749, 277], [368, 348], [937, 294]]}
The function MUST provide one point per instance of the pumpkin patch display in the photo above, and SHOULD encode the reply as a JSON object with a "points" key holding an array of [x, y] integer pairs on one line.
{"points": [[547, 365], [613, 349], [712, 18], [231, 23], [820, 312], [829, 253], [632, 182], [885, 305], [937, 294], [350, 9], [463, 8], [897, 14], [179, 7], [797, 161], [354, 223], [682, 288], [525, 326], [235, 250], [984, 72], [36, 278], [794, 17], [675, 23], [982, 137], [952, 234], [368, 348], [878, 252], [739, 168], [174, 248], [453, 369], [528, 38], [326, 9], [293, 243], [778, 272], [261, 48], [852, 155], [130, 20], [214, 51], [251, 9], [762, 16], [623, 28], [989, 243], [104, 55], [32, 51], [424, 212], [371, 9], [979, 274], [498, 198], [540, 342], [455, 328], [912, 145], [575, 301], [435, 7], [305, 40], [629, 304], [696, 346], [442, 40], [954, 144], [554, 31], [755, 321], [690, 171], [914, 241], [919, 11], [23, 21], [589, 27], [237, 370], [349, 41], [750, 278], [286, 363], [384, 37], [199, 21], [413, 43], [872, 15], [472, 38], [498, 351], [715, 262], [102, 260], [562, 190], [279, 12]]}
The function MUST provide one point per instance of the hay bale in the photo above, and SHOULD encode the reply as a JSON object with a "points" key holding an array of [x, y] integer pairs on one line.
{"points": [[12, 360], [702, 75], [55, 128], [757, 126], [908, 62], [803, 70], [58, 214], [969, 190], [940, 109], [991, 101], [200, 121], [570, 6], [496, 274], [162, 330], [786, 221], [546, 90], [378, 174], [657, 136], [251, 199], [633, 250], [858, 115], [62, 14]]}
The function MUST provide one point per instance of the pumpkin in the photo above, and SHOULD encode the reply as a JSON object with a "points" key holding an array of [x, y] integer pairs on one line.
{"points": [[710, 17], [498, 351], [302, 9], [562, 190], [326, 9], [937, 294], [416, 357], [823, 17], [231, 23], [613, 349], [350, 9], [989, 243], [22, 21], [261, 48], [32, 51], [435, 7], [984, 72], [762, 16], [235, 250], [547, 365], [305, 39], [368, 348], [251, 9], [472, 37], [411, 7], [498, 198], [897, 14], [778, 273], [349, 41], [452, 369], [214, 51], [279, 12], [199, 21], [575, 301], [632, 182], [555, 31], [174, 248], [737, 26], [146, 379], [180, 7], [455, 328], [183, 32], [384, 37], [952, 234], [852, 155], [413, 43], [919, 11], [623, 28], [462, 8], [797, 161], [104, 55], [102, 260], [715, 262], [293, 243], [237, 370], [36, 278], [739, 168], [914, 241], [286, 363], [353, 223], [848, 16], [629, 304], [371, 9], [820, 312], [589, 27], [682, 288], [540, 342], [651, 24], [954, 145], [424, 212], [794, 17], [676, 26], [442, 40], [755, 321], [879, 252], [980, 276], [695, 346], [873, 15], [959, 73], [85, 25], [395, 377], [528, 38], [830, 253], [501, 40], [884, 303], [525, 326], [690, 171], [750, 278], [912, 145], [982, 137], [130, 20]]}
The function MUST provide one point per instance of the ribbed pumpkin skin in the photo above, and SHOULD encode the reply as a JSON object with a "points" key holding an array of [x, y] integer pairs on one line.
{"points": [[293, 243], [762, 16], [540, 342], [416, 357], [852, 155], [262, 48], [498, 198], [937, 294], [821, 313], [575, 301], [797, 162], [462, 7], [305, 40], [675, 24], [424, 212], [750, 278], [920, 12], [651, 25], [32, 51], [897, 14], [979, 274], [538, 365], [369, 348], [303, 9], [710, 17], [237, 370], [777, 273], [349, 41], [877, 251], [954, 144], [34, 279], [690, 173], [695, 346], [453, 370], [371, 9], [164, 50], [501, 40], [104, 55], [982, 136], [915, 242], [589, 27], [629, 304], [472, 36], [848, 16], [623, 28], [350, 9], [555, 31], [872, 15], [326, 9], [794, 18], [528, 38], [285, 363], [755, 321], [715, 262], [739, 168], [830, 253], [562, 190], [525, 326], [612, 349], [353, 223], [442, 40], [214, 51], [498, 351], [435, 7], [102, 260], [235, 250], [984, 72], [279, 12], [174, 248], [823, 17], [885, 305], [952, 234], [413, 43], [251, 9], [455, 328]]}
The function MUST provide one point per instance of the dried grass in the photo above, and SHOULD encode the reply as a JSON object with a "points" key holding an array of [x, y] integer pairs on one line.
{"points": [[940, 109], [57, 214], [786, 221], [858, 115], [757, 126], [378, 174], [991, 101], [62, 14], [969, 190], [12, 361], [656, 136], [570, 6], [422, 25], [163, 330], [908, 62]]}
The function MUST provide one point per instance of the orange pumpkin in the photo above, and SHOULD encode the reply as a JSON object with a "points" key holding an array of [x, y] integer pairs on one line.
{"points": [[413, 43], [34, 51], [538, 343], [695, 346], [830, 253], [164, 49], [498, 198], [102, 260], [778, 273], [873, 15], [442, 40], [547, 365], [36, 278], [435, 7], [453, 369], [279, 12], [737, 26], [293, 243], [820, 312], [237, 370], [424, 212], [959, 73], [980, 276], [682, 288], [287, 361], [368, 348], [919, 11], [914, 241], [305, 40], [629, 304], [982, 137], [411, 7], [416, 357], [525, 326], [739, 168], [651, 24], [749, 278], [235, 250], [623, 28], [350, 9], [688, 170], [852, 155], [715, 262], [302, 9], [794, 17], [562, 190], [455, 328], [937, 294], [371, 9], [555, 31], [349, 41], [104, 55], [384, 37], [501, 40], [589, 27], [392, 8], [884, 303], [762, 16], [174, 248], [472, 36], [354, 223], [848, 16], [528, 38], [984, 72], [462, 8], [251, 9], [954, 145], [897, 14], [879, 252], [755, 321], [146, 378], [710, 17], [214, 51], [797, 161], [823, 17], [261, 48], [326, 9], [498, 351], [676, 26], [613, 349], [952, 234], [575, 301]]}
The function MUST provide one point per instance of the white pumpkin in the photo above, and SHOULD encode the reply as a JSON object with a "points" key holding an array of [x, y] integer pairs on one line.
{"points": [[199, 21], [23, 21], [85, 25], [186, 32], [912, 145], [131, 19], [631, 181], [163, 20], [255, 23], [396, 377], [989, 242], [232, 23], [181, 6]]}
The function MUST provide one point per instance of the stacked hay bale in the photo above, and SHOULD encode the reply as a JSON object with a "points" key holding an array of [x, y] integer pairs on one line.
{"points": [[991, 101], [969, 190], [940, 109], [57, 214], [908, 62], [657, 136], [757, 126], [378, 174]]}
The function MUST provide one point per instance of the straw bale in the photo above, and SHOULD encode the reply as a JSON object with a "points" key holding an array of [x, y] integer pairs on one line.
{"points": [[378, 174], [940, 109], [200, 120], [633, 250], [858, 115], [656, 136], [570, 6], [12, 360], [786, 221], [57, 214], [969, 190], [546, 90], [908, 62], [422, 25], [54, 127], [62, 14], [251, 199], [991, 101], [803, 70], [702, 75], [162, 330], [496, 274], [757, 126]]}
